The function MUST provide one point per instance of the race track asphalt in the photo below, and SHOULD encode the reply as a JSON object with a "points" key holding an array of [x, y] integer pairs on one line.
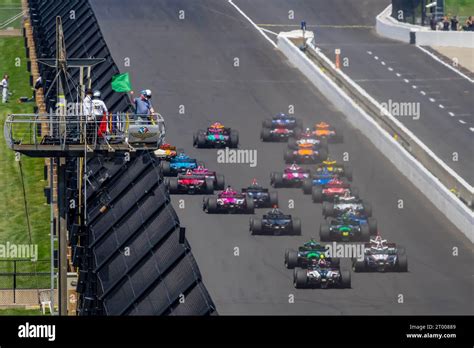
{"points": [[190, 62], [446, 115]]}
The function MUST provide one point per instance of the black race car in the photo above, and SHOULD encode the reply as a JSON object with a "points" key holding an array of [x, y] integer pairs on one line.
{"points": [[283, 121], [275, 222], [321, 274], [305, 254], [344, 230], [262, 198]]}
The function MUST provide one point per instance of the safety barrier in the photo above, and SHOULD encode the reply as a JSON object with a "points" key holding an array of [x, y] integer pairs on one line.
{"points": [[339, 89], [389, 27]]}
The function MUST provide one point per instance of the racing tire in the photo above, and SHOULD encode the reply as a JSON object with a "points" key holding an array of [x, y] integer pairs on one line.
{"points": [[249, 205], [345, 279], [209, 186], [348, 172], [212, 205], [165, 168], [367, 209], [172, 184], [335, 261], [255, 226], [324, 233], [201, 140], [372, 222], [234, 139], [296, 227], [364, 233], [267, 123], [289, 158], [328, 209], [300, 278], [323, 154], [273, 199], [317, 194], [265, 134], [291, 259], [358, 266], [292, 143], [307, 186], [402, 265], [220, 182], [277, 179]]}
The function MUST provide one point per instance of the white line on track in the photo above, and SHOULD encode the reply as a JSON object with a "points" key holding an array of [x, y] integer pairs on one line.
{"points": [[406, 80], [382, 62], [441, 106], [390, 68], [398, 74], [432, 100], [269, 31], [461, 121], [252, 22], [471, 129], [451, 114], [423, 92], [369, 52], [414, 87], [376, 58], [445, 64]]}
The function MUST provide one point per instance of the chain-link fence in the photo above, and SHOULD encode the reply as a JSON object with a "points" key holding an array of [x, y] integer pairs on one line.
{"points": [[21, 280]]}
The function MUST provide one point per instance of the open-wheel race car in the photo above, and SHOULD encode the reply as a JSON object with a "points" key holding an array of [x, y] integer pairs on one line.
{"points": [[216, 135], [380, 256], [308, 251], [218, 179], [345, 203], [280, 128], [335, 188], [275, 222], [178, 164], [166, 152], [345, 229], [321, 274], [190, 183], [305, 155], [326, 131], [320, 180], [292, 176], [307, 139], [262, 197], [228, 201], [330, 166]]}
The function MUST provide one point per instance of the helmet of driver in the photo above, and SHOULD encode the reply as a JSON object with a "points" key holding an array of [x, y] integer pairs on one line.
{"points": [[96, 94]]}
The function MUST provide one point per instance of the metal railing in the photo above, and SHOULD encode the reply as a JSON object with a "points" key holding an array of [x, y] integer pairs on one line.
{"points": [[413, 145], [73, 132]]}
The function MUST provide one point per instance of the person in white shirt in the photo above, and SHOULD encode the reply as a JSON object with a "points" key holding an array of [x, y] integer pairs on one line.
{"points": [[87, 105], [4, 85]]}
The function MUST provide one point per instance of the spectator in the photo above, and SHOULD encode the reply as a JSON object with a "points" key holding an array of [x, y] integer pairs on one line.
{"points": [[4, 85], [433, 22], [446, 23], [469, 25], [454, 23]]}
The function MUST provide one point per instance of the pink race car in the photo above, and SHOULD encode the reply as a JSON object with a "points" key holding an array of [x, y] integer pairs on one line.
{"points": [[293, 176], [228, 201]]}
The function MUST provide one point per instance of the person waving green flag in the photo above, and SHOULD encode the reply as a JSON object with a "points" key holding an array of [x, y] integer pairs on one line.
{"points": [[121, 83]]}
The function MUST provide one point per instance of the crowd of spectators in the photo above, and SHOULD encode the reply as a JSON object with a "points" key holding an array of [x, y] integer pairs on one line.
{"points": [[451, 23]]}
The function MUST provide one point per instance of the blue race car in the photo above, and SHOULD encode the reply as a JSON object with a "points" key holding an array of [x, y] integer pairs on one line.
{"points": [[276, 223], [179, 164], [282, 120], [320, 179]]}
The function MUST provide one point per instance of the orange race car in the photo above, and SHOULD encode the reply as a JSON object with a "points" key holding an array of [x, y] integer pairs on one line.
{"points": [[166, 152], [325, 131], [306, 155]]}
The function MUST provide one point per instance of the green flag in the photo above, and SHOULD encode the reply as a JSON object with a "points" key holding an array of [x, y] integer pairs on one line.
{"points": [[121, 83]]}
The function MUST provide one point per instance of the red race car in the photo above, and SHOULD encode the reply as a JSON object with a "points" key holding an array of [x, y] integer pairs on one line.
{"points": [[335, 188], [219, 181], [293, 176], [190, 183]]}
